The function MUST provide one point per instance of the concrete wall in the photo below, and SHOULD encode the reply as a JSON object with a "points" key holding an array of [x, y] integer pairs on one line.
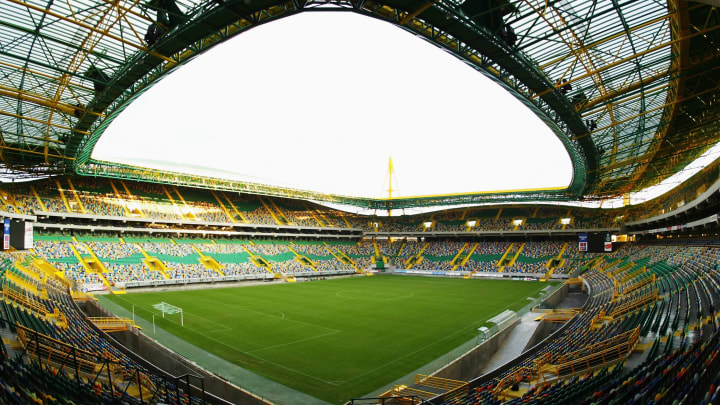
{"points": [[136, 344], [554, 299], [543, 330], [470, 365]]}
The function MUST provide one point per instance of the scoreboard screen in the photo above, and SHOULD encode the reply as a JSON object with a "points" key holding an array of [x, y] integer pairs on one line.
{"points": [[595, 242]]}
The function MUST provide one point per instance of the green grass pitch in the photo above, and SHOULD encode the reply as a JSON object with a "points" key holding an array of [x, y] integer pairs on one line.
{"points": [[336, 339]]}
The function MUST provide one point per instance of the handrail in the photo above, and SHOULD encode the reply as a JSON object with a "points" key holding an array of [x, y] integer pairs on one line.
{"points": [[603, 357], [517, 376], [401, 390], [23, 300], [634, 304], [453, 388], [50, 349], [413, 399], [438, 382], [458, 392], [114, 324], [639, 284], [154, 369], [37, 344], [615, 340]]}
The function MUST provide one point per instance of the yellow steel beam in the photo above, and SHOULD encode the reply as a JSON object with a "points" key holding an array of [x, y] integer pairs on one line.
{"points": [[634, 86], [45, 75], [624, 60], [75, 63], [32, 152], [52, 124], [417, 12], [129, 10], [606, 39], [694, 95], [581, 53], [91, 28], [39, 100], [679, 23]]}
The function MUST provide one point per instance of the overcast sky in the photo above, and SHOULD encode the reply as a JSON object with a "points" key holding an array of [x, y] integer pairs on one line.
{"points": [[319, 101]]}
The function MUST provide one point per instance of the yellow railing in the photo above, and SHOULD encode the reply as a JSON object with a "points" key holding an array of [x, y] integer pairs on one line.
{"points": [[402, 390], [633, 274], [81, 296], [24, 300], [113, 324], [628, 336], [573, 281], [637, 285], [52, 350], [634, 304], [452, 388], [598, 357], [517, 376], [438, 382], [560, 315]]}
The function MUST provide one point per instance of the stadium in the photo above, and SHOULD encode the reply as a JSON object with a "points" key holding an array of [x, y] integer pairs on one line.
{"points": [[133, 281]]}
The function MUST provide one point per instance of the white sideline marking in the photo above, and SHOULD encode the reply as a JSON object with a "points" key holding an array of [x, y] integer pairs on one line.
{"points": [[256, 356], [395, 359]]}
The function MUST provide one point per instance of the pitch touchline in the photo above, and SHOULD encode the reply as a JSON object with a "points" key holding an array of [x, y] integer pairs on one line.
{"points": [[235, 349], [267, 361], [403, 356], [257, 357]]}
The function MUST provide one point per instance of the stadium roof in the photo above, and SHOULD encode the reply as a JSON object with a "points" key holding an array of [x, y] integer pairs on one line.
{"points": [[630, 88], [237, 113]]}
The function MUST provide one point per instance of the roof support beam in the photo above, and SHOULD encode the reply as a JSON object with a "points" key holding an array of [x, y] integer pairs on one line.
{"points": [[627, 59], [91, 28]]}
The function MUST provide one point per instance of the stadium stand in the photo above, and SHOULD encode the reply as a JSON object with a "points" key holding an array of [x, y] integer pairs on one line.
{"points": [[135, 199], [57, 357], [665, 294]]}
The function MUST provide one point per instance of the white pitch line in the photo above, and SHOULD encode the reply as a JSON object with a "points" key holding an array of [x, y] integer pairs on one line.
{"points": [[293, 342], [405, 355], [209, 320], [293, 370], [333, 331], [272, 316], [382, 297]]}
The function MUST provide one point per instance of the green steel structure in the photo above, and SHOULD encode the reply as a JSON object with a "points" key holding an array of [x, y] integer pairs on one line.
{"points": [[629, 87]]}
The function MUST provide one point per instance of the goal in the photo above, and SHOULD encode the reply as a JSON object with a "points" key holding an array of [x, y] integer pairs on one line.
{"points": [[166, 308]]}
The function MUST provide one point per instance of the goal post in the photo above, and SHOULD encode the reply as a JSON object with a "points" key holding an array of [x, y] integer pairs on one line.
{"points": [[166, 308]]}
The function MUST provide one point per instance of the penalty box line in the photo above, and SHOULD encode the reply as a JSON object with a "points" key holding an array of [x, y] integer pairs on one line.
{"points": [[220, 342], [332, 331]]}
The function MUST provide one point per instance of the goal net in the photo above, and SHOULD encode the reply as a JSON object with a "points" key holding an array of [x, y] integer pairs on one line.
{"points": [[166, 308]]}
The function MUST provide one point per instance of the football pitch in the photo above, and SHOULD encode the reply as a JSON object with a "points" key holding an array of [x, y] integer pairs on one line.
{"points": [[335, 339]]}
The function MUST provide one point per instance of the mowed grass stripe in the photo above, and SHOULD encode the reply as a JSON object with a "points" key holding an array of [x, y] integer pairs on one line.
{"points": [[341, 338]]}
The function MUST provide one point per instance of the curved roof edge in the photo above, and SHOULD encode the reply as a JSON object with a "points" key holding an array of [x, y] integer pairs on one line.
{"points": [[509, 69]]}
